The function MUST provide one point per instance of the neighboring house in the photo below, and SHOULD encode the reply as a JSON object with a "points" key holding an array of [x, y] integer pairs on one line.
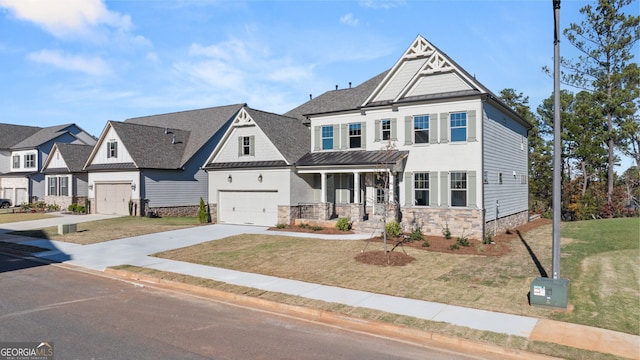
{"points": [[23, 151], [424, 143], [65, 177], [153, 163], [252, 179]]}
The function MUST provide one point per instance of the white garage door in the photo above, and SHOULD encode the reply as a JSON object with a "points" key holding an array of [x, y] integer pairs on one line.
{"points": [[248, 207], [113, 198]]}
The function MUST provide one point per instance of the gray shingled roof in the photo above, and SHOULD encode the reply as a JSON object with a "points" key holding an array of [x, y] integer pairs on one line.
{"points": [[42, 136], [200, 126], [352, 158], [74, 155], [338, 100], [13, 134], [289, 135], [152, 147]]}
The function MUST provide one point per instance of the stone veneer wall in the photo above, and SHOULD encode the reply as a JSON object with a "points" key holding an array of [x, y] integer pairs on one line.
{"points": [[213, 212], [467, 222], [62, 201], [355, 212], [185, 211], [287, 214], [508, 222]]}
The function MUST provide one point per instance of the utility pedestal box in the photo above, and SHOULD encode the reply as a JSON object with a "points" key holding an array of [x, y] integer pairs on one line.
{"points": [[548, 292], [66, 228]]}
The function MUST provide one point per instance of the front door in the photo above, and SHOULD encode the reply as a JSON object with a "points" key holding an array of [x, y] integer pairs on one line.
{"points": [[382, 193]]}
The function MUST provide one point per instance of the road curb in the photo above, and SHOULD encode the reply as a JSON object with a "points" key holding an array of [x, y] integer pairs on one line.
{"points": [[371, 327]]}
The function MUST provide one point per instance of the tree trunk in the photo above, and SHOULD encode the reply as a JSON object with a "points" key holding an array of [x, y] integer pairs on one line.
{"points": [[585, 178]]}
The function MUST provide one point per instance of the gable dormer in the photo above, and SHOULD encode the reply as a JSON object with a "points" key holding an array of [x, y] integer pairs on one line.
{"points": [[422, 70]]}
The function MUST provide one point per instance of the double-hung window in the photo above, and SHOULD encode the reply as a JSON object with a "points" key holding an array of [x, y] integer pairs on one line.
{"points": [[421, 189], [30, 160], [58, 185], [327, 137], [421, 129], [112, 149], [16, 161], [386, 129], [53, 186], [459, 189], [355, 136], [64, 186], [458, 125], [246, 145]]}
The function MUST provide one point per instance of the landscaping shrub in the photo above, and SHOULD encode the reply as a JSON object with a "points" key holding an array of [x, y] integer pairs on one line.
{"points": [[416, 235], [203, 217], [393, 228], [454, 247], [281, 226], [462, 241], [343, 224], [72, 207], [316, 228], [446, 232], [488, 238], [425, 244]]}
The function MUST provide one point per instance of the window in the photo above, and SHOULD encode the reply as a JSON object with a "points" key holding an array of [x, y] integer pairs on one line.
{"points": [[246, 145], [112, 149], [459, 189], [53, 186], [64, 186], [500, 178], [421, 129], [327, 137], [458, 123], [58, 186], [386, 129], [485, 177], [16, 161], [355, 136], [30, 161], [421, 189]]}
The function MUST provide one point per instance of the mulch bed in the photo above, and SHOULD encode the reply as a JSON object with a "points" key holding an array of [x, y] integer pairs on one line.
{"points": [[397, 257]]}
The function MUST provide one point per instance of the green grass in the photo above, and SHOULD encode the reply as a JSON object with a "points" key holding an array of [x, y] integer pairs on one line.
{"points": [[111, 229], [7, 217], [602, 264]]}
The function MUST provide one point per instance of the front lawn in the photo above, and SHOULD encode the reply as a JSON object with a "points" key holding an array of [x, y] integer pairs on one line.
{"points": [[111, 229], [7, 217], [495, 283]]}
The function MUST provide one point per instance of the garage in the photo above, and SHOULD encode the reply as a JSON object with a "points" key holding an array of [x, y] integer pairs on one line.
{"points": [[248, 207], [113, 198]]}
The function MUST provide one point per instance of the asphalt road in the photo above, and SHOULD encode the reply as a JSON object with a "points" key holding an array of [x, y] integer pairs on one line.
{"points": [[93, 317]]}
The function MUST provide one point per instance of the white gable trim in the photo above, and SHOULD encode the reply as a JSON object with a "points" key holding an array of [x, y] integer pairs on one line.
{"points": [[435, 62], [103, 137]]}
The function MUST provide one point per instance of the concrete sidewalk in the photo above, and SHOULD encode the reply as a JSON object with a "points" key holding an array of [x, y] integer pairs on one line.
{"points": [[136, 251]]}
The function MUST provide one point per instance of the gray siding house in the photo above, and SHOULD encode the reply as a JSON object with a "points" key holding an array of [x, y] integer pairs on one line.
{"points": [[154, 162], [65, 178], [24, 150]]}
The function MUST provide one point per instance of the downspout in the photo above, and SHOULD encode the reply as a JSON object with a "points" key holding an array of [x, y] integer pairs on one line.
{"points": [[482, 195]]}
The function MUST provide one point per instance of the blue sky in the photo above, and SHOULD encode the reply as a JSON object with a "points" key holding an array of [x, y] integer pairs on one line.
{"points": [[89, 61]]}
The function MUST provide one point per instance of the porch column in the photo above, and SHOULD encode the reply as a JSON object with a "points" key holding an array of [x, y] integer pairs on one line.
{"points": [[356, 187], [392, 180], [323, 187]]}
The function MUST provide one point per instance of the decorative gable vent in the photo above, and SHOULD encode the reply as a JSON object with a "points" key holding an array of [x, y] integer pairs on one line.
{"points": [[437, 63], [420, 48], [243, 118]]}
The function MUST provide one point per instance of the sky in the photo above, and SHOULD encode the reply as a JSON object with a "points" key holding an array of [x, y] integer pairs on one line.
{"points": [[90, 61]]}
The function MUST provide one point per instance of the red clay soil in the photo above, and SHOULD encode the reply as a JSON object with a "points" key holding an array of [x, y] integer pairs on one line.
{"points": [[436, 244]]}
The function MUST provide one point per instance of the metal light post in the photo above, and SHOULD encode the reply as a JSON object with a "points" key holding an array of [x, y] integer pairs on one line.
{"points": [[557, 142], [554, 292]]}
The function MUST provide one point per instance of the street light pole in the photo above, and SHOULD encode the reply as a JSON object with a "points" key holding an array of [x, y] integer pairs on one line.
{"points": [[557, 142]]}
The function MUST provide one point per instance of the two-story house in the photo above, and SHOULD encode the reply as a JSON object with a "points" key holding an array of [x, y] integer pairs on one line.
{"points": [[424, 143], [23, 151]]}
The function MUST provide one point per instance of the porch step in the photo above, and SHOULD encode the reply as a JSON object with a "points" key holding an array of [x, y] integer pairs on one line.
{"points": [[372, 227]]}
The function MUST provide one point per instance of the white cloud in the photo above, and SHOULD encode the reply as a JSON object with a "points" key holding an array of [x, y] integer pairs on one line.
{"points": [[348, 19], [64, 18], [88, 65]]}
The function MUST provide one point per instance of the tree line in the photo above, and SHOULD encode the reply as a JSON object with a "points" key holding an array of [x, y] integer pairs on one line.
{"points": [[599, 120]]}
